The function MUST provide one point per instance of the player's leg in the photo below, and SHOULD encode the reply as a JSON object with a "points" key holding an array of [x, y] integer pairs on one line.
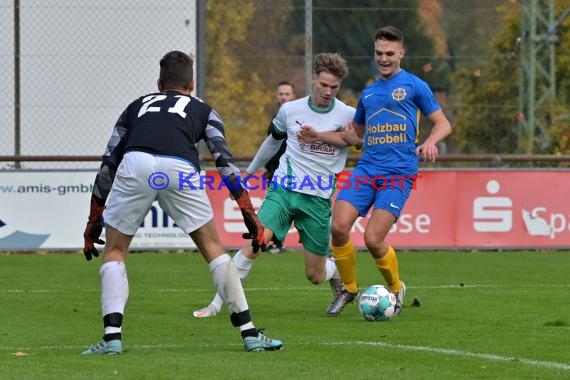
{"points": [[276, 218], [351, 203], [387, 207], [243, 260], [191, 210], [114, 292], [321, 268], [186, 203], [375, 239], [226, 279], [383, 254], [312, 220], [344, 216], [243, 265], [127, 204], [344, 253]]}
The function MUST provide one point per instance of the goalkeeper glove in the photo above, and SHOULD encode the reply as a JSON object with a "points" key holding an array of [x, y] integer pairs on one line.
{"points": [[93, 229], [256, 232]]}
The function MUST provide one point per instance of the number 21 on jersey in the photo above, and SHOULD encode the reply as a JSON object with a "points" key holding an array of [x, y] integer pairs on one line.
{"points": [[178, 107]]}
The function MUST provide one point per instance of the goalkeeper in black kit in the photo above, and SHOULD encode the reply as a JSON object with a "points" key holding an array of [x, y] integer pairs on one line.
{"points": [[152, 146]]}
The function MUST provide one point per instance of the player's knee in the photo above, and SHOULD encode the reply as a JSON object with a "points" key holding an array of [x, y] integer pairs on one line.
{"points": [[314, 280], [314, 277], [375, 243], [114, 254], [339, 230]]}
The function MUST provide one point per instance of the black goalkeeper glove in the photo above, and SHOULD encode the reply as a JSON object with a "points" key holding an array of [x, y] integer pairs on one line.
{"points": [[93, 229]]}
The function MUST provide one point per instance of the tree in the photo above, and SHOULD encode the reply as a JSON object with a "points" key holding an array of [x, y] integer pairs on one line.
{"points": [[242, 68], [559, 130], [488, 96], [348, 28]]}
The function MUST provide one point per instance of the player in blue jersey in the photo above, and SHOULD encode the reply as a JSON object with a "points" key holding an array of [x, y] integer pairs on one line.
{"points": [[386, 121], [152, 144]]}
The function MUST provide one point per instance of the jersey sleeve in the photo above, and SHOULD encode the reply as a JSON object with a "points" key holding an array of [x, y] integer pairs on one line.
{"points": [[267, 150], [215, 140], [425, 99], [360, 113], [280, 122], [111, 159]]}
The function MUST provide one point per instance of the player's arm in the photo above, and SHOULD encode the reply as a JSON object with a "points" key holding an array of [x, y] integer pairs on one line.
{"points": [[214, 138], [267, 150], [102, 187], [341, 139], [440, 130], [276, 156], [308, 134], [350, 136], [353, 134], [111, 159]]}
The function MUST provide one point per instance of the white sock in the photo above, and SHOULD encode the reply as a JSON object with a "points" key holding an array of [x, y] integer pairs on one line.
{"points": [[114, 290], [247, 326], [226, 279], [330, 269], [243, 265]]}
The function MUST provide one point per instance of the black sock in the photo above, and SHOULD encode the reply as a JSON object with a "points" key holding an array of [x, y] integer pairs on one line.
{"points": [[249, 332], [112, 320], [113, 336]]}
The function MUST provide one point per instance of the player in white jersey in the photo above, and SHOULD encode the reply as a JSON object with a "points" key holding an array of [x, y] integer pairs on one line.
{"points": [[304, 182], [314, 164]]}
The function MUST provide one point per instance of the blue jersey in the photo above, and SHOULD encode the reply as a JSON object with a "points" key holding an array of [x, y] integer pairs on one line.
{"points": [[390, 111]]}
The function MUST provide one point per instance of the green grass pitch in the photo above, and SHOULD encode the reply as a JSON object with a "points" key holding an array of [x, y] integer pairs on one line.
{"points": [[483, 315]]}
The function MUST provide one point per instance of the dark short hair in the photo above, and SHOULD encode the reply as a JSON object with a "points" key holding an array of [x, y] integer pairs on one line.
{"points": [[176, 70], [331, 63], [286, 83], [389, 33]]}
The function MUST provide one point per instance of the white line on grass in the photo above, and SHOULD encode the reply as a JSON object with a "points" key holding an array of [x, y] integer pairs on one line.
{"points": [[288, 288], [444, 351]]}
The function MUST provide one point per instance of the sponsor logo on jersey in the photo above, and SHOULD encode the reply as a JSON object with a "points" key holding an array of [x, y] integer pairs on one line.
{"points": [[399, 94], [387, 139], [383, 128], [321, 148], [386, 133]]}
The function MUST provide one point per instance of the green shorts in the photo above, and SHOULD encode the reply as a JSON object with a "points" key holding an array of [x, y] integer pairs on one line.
{"points": [[310, 214]]}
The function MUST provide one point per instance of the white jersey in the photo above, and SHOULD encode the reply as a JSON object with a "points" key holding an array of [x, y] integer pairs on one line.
{"points": [[311, 168]]}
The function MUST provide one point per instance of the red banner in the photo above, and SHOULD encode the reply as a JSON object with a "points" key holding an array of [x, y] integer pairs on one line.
{"points": [[453, 209]]}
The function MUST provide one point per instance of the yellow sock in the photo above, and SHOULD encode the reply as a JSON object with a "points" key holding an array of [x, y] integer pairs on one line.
{"points": [[345, 258], [388, 266]]}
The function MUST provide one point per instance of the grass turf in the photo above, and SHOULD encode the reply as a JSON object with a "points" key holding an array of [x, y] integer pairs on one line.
{"points": [[483, 315]]}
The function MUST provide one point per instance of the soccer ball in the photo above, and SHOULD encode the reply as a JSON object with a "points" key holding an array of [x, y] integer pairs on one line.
{"points": [[377, 303]]}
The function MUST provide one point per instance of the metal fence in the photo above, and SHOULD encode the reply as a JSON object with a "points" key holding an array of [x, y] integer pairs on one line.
{"points": [[69, 67]]}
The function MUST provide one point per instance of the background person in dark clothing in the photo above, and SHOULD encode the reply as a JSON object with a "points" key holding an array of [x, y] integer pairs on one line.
{"points": [[285, 92]]}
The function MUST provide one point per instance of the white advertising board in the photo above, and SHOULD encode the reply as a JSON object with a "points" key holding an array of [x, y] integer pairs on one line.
{"points": [[48, 210]]}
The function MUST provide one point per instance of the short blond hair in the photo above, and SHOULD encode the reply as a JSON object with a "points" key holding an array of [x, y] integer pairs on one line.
{"points": [[331, 63]]}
